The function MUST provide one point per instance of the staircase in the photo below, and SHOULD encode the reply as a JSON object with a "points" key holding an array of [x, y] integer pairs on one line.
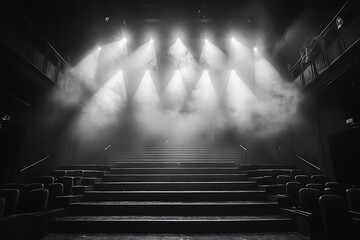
{"points": [[173, 189]]}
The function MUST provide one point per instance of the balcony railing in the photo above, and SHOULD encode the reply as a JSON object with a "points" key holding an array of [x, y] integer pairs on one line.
{"points": [[23, 37], [338, 36]]}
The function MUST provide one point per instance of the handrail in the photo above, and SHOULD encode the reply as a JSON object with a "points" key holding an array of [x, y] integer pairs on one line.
{"points": [[106, 153], [309, 163], [243, 148], [35, 163]]}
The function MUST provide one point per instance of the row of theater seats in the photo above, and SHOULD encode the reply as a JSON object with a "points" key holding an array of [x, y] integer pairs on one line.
{"points": [[26, 209], [323, 209], [42, 196], [329, 215]]}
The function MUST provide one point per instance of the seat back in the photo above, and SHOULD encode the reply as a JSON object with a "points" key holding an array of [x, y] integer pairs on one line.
{"points": [[36, 201], [75, 173], [309, 200], [292, 190], [68, 183], [295, 172], [13, 185], [46, 180], [2, 206], [59, 173], [11, 197], [336, 189], [283, 179], [302, 179], [55, 190], [353, 196], [319, 179], [33, 186], [336, 220], [317, 186]]}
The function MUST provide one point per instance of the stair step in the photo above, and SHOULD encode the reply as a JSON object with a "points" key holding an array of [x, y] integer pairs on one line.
{"points": [[267, 172], [154, 186], [173, 224], [174, 208], [265, 166], [173, 164], [99, 167], [174, 170], [233, 195], [173, 177], [90, 180]]}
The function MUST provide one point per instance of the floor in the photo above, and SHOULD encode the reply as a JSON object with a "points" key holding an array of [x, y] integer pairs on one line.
{"points": [[232, 236]]}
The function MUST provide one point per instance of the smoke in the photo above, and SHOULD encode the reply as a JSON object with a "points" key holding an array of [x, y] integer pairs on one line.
{"points": [[195, 103]]}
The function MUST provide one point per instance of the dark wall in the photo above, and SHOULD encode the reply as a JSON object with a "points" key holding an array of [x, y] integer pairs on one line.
{"points": [[324, 138]]}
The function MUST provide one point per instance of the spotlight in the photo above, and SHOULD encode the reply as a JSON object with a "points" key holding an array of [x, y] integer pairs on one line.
{"points": [[178, 40], [205, 71], [206, 40], [233, 39], [147, 72], [124, 39], [151, 40], [255, 49], [232, 71], [99, 48], [107, 19]]}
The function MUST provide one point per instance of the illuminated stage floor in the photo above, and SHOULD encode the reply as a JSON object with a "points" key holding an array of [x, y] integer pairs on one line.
{"points": [[233, 236]]}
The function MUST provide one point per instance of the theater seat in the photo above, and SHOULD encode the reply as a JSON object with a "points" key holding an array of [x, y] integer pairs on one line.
{"points": [[336, 189], [13, 185], [2, 206], [33, 186], [46, 180], [292, 190], [317, 186], [302, 179], [336, 219], [309, 216], [36, 201], [59, 173], [11, 197], [68, 183], [55, 190], [353, 196], [309, 200], [319, 179], [283, 179], [295, 172]]}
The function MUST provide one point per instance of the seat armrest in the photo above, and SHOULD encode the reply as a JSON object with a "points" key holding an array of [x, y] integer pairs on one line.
{"points": [[354, 214]]}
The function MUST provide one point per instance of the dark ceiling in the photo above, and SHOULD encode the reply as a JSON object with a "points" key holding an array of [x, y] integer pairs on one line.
{"points": [[281, 26]]}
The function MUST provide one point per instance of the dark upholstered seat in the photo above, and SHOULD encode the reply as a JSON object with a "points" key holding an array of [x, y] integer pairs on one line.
{"points": [[283, 179], [11, 197], [46, 180], [13, 185], [2, 206], [55, 190], [59, 173], [68, 183], [295, 172], [319, 179], [317, 186], [302, 179], [309, 200], [292, 190], [309, 205], [336, 189], [353, 196], [36, 201], [336, 219]]}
